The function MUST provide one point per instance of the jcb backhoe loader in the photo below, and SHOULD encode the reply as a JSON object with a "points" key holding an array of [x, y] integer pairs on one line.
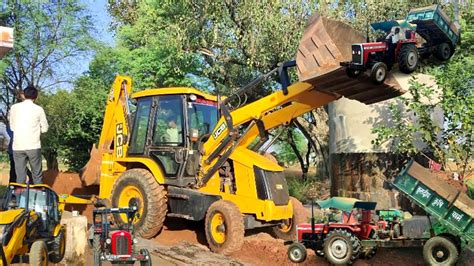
{"points": [[30, 229], [184, 153]]}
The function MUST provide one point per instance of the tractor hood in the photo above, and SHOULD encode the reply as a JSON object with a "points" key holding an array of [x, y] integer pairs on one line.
{"points": [[7, 217]]}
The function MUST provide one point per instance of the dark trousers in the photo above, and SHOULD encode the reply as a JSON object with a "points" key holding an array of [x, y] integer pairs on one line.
{"points": [[34, 158], [12, 168]]}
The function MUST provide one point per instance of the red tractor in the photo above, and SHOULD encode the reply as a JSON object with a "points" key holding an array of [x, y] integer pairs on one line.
{"points": [[343, 240], [399, 46], [115, 242]]}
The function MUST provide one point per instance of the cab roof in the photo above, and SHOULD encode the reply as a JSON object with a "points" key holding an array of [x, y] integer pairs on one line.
{"points": [[172, 91]]}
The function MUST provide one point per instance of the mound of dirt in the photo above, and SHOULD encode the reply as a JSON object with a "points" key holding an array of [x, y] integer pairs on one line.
{"points": [[70, 183], [263, 249]]}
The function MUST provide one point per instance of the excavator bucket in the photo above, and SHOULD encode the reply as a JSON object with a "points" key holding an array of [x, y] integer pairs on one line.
{"points": [[326, 43], [90, 173]]}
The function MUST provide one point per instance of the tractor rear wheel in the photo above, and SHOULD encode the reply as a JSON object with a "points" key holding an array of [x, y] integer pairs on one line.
{"points": [[58, 247], [341, 247], [408, 58], [138, 187], [439, 250], [297, 252], [378, 74], [224, 226], [443, 52], [38, 254], [287, 230]]}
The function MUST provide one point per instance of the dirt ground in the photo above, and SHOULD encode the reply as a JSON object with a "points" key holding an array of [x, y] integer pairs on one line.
{"points": [[182, 242]]}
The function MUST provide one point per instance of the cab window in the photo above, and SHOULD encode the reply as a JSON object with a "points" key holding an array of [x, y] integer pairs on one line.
{"points": [[140, 126], [202, 116], [168, 129]]}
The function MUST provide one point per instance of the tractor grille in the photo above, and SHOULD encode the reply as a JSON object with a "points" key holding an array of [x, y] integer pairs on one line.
{"points": [[272, 186], [357, 53], [121, 245]]}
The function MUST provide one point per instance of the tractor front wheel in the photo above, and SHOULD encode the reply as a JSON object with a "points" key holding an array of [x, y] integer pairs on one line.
{"points": [[138, 187], [287, 230], [38, 254], [353, 73], [439, 250], [97, 250], [58, 247], [224, 226], [408, 58], [443, 52], [341, 247], [297, 252], [378, 74]]}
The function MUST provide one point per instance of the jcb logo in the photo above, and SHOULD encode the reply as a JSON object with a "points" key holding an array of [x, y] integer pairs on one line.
{"points": [[119, 140], [219, 130]]}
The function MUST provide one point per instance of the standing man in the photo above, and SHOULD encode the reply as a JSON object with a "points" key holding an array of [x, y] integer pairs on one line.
{"points": [[28, 121], [7, 134]]}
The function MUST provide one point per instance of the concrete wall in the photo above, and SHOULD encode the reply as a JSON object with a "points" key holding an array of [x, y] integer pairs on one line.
{"points": [[358, 168]]}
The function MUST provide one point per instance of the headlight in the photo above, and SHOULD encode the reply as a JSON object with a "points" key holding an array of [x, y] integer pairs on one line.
{"points": [[353, 52], [358, 52], [135, 241], [108, 241]]}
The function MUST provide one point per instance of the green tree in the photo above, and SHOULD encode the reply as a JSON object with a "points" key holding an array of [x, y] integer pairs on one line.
{"points": [[49, 37]]}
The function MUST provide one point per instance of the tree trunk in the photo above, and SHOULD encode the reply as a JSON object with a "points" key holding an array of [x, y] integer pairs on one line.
{"points": [[51, 157], [304, 166]]}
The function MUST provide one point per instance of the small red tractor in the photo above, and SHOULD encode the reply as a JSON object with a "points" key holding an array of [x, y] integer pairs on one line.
{"points": [[399, 47], [116, 242], [438, 36], [343, 241]]}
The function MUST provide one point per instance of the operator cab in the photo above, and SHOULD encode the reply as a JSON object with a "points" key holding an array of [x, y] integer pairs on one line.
{"points": [[41, 199], [168, 127]]}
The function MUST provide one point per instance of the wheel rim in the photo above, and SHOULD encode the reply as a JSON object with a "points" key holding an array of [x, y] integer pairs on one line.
{"points": [[440, 253], [131, 196], [339, 249], [218, 228], [446, 52], [285, 227], [380, 74], [412, 59], [296, 254]]}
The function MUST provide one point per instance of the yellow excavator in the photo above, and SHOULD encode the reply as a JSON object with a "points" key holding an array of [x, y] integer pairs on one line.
{"points": [[184, 153], [30, 228]]}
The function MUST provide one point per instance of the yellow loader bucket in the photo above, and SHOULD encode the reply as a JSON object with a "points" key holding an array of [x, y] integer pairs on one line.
{"points": [[326, 43]]}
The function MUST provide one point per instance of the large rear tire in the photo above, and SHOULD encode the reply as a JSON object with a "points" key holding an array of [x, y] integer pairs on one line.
{"points": [[444, 52], [287, 230], [224, 226], [378, 73], [58, 247], [408, 58], [38, 254], [439, 250], [138, 187], [340, 247]]}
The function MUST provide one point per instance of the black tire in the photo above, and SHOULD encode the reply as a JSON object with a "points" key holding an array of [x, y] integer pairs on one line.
{"points": [[408, 58], [378, 73], [439, 250], [153, 202], [443, 51], [353, 73], [38, 254], [224, 227], [297, 252], [146, 253], [96, 250], [58, 247], [287, 231], [339, 247]]}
